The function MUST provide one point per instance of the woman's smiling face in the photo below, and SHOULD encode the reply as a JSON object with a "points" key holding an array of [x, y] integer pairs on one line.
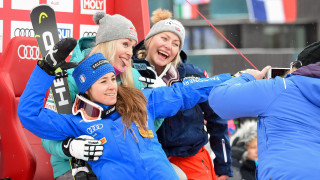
{"points": [[123, 53], [162, 49], [104, 90]]}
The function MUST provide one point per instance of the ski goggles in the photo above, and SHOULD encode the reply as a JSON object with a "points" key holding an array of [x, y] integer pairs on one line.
{"points": [[171, 76], [89, 110]]}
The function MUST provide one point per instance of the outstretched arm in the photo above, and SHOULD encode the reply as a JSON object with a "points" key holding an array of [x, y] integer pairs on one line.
{"points": [[167, 101], [40, 121]]}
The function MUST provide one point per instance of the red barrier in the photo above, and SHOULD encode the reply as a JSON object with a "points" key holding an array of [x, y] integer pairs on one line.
{"points": [[22, 155]]}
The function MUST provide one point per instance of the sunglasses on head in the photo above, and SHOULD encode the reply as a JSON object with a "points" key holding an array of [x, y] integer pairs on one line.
{"points": [[89, 110]]}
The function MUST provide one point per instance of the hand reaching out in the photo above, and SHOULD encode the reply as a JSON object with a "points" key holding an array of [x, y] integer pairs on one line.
{"points": [[57, 55], [222, 177], [256, 73], [149, 76], [151, 82]]}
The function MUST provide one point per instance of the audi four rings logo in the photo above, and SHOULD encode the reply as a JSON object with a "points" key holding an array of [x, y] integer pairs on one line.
{"points": [[94, 128], [28, 52], [24, 32], [89, 34]]}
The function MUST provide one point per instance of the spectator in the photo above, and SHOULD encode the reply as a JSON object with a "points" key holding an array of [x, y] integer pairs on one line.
{"points": [[183, 136], [288, 111]]}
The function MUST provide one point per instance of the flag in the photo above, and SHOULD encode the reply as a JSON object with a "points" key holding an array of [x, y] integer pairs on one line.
{"points": [[184, 10], [272, 11]]}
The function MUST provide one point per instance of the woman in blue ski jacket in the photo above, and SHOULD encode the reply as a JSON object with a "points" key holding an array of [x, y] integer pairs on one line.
{"points": [[289, 114], [120, 117], [116, 45], [183, 136]]}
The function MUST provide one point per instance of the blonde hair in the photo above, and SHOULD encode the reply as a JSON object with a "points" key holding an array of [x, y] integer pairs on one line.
{"points": [[108, 49]]}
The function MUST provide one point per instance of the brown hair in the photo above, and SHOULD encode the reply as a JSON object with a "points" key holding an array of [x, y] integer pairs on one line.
{"points": [[132, 105]]}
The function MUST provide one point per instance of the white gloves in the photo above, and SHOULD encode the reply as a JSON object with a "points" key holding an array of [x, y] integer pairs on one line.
{"points": [[151, 82], [83, 147]]}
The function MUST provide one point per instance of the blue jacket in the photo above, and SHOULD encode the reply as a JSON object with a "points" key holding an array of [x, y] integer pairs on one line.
{"points": [[123, 157], [59, 161], [288, 122], [183, 134]]}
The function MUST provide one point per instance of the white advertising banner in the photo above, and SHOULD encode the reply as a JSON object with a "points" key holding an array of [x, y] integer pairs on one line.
{"points": [[21, 28], [88, 30], [61, 5], [24, 4], [65, 30]]}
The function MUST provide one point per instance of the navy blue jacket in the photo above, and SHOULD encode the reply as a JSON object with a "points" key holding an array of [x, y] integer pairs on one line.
{"points": [[183, 134]]}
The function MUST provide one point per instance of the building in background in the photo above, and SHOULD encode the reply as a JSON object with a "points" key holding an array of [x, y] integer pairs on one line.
{"points": [[267, 32]]}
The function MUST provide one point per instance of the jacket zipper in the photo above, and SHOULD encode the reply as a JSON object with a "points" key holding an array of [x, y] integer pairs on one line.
{"points": [[224, 150]]}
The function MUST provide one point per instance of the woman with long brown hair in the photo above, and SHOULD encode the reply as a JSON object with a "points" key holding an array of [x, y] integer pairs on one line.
{"points": [[119, 118]]}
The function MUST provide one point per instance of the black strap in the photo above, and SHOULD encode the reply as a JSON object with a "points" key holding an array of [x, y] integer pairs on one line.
{"points": [[66, 145], [107, 112]]}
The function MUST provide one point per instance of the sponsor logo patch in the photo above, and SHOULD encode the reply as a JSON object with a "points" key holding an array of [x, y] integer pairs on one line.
{"points": [[99, 63], [103, 140], [146, 134], [82, 78], [94, 128]]}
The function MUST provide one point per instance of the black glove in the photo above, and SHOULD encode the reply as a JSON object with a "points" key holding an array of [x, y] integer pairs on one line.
{"points": [[57, 55], [149, 76], [83, 147], [144, 68]]}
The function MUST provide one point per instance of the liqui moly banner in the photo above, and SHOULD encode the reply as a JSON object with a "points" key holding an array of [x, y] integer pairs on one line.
{"points": [[92, 6]]}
